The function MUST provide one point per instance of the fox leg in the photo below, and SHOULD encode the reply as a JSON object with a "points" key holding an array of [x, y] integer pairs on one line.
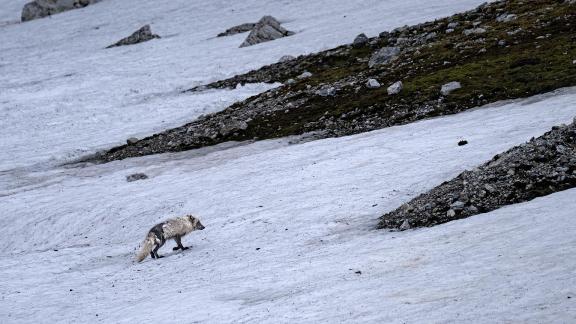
{"points": [[155, 251], [179, 245]]}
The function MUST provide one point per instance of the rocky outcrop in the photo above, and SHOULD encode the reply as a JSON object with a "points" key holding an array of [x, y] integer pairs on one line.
{"points": [[265, 30], [383, 56], [43, 8], [242, 28], [143, 34], [542, 166]]}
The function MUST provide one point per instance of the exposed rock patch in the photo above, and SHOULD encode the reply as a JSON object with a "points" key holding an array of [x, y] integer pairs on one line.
{"points": [[136, 177], [265, 30], [143, 34], [43, 8], [542, 166]]}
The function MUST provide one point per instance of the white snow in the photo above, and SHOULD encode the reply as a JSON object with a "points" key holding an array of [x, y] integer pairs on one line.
{"points": [[287, 226]]}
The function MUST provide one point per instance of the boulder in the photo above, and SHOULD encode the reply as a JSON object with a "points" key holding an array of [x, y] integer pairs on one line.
{"points": [[449, 87], [242, 28], [43, 8], [360, 40], [265, 30], [136, 177], [372, 84], [395, 88], [286, 58], [143, 34]]}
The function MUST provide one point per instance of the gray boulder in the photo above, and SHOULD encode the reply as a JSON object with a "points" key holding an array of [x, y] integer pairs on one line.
{"points": [[286, 58], [395, 88], [136, 177], [265, 30], [143, 34], [242, 28], [449, 87], [43, 8], [384, 55], [360, 40], [372, 84]]}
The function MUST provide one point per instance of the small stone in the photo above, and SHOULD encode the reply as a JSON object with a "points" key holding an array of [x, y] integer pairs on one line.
{"points": [[449, 87], [372, 84], [132, 140], [451, 213], [286, 58], [489, 188], [506, 18], [242, 28], [304, 75], [501, 42], [474, 31], [462, 142], [360, 40], [326, 92], [458, 205], [290, 81], [449, 30], [453, 25], [136, 177], [395, 88], [405, 225]]}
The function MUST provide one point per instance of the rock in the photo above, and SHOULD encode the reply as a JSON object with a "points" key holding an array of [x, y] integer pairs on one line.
{"points": [[132, 141], [286, 58], [290, 81], [238, 29], [43, 8], [453, 25], [489, 188], [449, 87], [458, 205], [451, 213], [395, 88], [506, 18], [501, 42], [326, 92], [384, 55], [267, 29], [232, 126], [136, 177], [143, 34], [474, 31], [372, 84], [405, 225], [360, 40], [449, 30], [304, 75], [430, 36], [462, 142]]}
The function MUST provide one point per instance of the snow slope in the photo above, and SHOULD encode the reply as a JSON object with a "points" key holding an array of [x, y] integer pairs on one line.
{"points": [[76, 97], [288, 227]]}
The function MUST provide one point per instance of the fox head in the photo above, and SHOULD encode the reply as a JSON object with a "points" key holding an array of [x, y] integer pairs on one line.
{"points": [[195, 223]]}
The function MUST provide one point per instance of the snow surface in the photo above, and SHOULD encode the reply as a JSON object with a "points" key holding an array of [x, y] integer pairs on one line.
{"points": [[289, 228]]}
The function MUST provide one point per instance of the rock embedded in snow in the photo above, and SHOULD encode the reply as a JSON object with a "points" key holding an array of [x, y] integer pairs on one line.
{"points": [[384, 55], [449, 87], [43, 8], [238, 29], [405, 225], [286, 58], [132, 141], [265, 30], [395, 88], [136, 177], [360, 40], [372, 84], [143, 34]]}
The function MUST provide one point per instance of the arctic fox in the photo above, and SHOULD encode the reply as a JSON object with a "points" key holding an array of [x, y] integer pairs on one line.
{"points": [[173, 228]]}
